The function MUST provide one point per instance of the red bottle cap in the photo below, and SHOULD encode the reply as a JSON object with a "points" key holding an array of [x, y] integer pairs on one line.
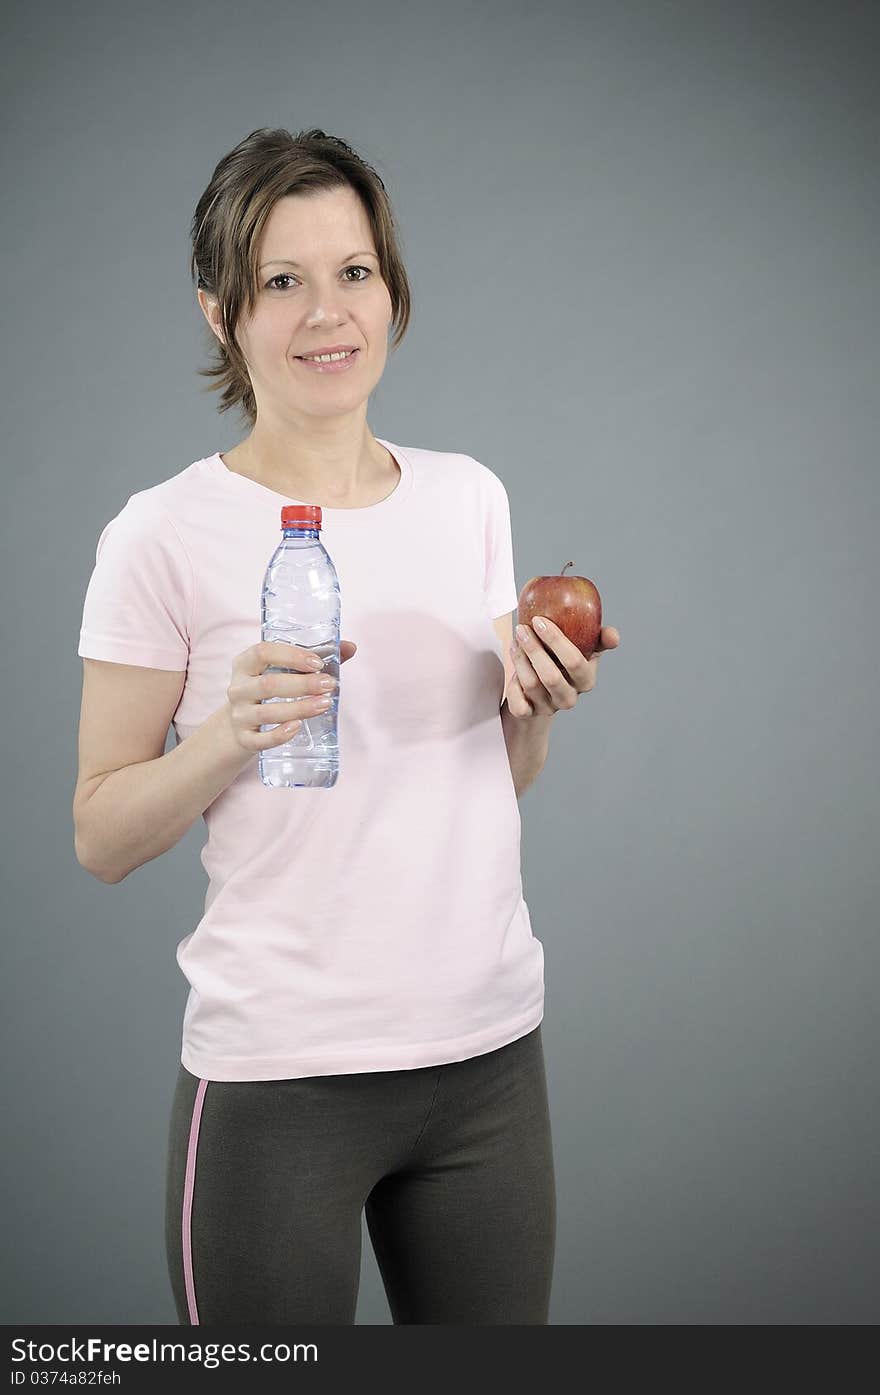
{"points": [[301, 516]]}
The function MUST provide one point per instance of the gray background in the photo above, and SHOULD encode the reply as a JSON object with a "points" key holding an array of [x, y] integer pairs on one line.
{"points": [[642, 242]]}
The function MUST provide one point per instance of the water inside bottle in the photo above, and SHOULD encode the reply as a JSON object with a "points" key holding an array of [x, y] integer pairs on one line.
{"points": [[310, 757]]}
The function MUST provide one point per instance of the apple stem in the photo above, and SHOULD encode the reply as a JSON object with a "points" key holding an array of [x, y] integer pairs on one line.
{"points": [[568, 564]]}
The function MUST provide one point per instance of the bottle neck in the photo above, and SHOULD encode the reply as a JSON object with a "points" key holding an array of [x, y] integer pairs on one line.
{"points": [[295, 532]]}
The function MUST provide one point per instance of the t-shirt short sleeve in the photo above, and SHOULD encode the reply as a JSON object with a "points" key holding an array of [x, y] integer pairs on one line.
{"points": [[139, 601], [500, 580]]}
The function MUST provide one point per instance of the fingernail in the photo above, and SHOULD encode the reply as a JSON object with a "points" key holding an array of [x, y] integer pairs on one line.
{"points": [[539, 624]]}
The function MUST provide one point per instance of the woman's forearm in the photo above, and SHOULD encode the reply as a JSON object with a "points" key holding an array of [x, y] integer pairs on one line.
{"points": [[527, 745], [142, 810]]}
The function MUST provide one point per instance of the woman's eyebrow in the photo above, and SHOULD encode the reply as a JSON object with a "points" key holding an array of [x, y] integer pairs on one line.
{"points": [[286, 261]]}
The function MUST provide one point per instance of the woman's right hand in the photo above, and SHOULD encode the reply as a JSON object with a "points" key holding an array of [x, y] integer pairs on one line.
{"points": [[250, 684]]}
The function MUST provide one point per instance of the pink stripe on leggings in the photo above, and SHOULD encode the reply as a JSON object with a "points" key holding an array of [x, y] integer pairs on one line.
{"points": [[188, 1199]]}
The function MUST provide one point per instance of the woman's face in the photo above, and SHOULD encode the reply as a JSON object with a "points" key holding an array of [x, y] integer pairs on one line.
{"points": [[334, 295]]}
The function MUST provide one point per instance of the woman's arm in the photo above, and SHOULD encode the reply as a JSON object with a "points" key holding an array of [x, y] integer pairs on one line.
{"points": [[527, 747], [144, 809]]}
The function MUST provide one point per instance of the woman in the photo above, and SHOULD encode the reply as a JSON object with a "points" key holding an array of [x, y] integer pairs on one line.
{"points": [[362, 1031]]}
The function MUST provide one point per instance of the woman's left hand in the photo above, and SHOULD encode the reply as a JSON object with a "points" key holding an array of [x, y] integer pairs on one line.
{"points": [[543, 684]]}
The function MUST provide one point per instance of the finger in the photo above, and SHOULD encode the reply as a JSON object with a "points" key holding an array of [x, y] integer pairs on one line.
{"points": [[559, 685], [534, 691], [516, 699], [282, 654], [558, 642], [524, 677]]}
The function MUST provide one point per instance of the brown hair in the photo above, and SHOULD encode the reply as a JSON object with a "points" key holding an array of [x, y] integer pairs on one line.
{"points": [[230, 217]]}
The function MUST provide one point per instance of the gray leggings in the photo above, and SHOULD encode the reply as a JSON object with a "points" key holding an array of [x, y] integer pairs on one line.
{"points": [[267, 1182]]}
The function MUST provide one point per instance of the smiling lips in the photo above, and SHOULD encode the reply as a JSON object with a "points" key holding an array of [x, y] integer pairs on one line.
{"points": [[329, 349], [336, 365]]}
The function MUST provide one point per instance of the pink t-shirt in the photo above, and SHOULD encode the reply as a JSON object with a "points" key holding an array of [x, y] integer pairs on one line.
{"points": [[379, 924]]}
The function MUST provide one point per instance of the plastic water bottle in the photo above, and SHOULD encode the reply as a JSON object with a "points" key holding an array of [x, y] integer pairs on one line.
{"points": [[300, 605]]}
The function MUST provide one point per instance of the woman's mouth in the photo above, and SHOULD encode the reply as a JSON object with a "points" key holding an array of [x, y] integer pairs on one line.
{"points": [[338, 365]]}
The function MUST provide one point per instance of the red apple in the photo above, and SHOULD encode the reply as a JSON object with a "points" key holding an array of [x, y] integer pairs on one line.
{"points": [[571, 602]]}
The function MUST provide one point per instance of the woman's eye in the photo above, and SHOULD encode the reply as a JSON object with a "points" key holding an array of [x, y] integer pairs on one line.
{"points": [[285, 276]]}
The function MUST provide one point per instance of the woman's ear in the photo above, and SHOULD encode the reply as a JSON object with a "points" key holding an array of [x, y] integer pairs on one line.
{"points": [[211, 311]]}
